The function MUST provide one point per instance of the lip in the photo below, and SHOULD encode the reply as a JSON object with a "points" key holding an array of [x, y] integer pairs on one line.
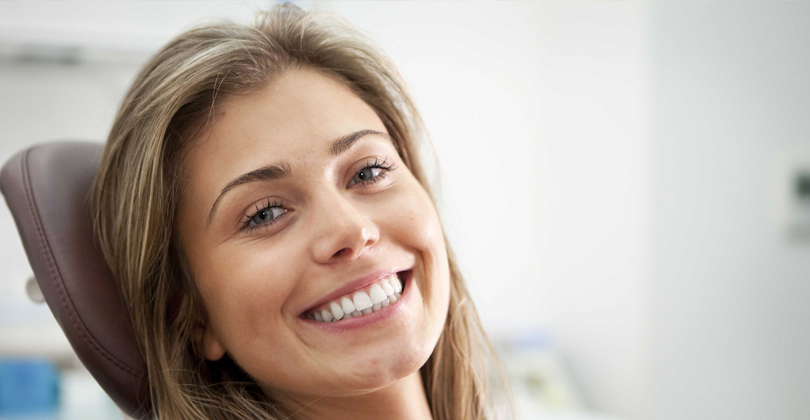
{"points": [[355, 323], [354, 285]]}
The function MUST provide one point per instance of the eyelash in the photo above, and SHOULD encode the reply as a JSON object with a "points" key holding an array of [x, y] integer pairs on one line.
{"points": [[247, 227]]}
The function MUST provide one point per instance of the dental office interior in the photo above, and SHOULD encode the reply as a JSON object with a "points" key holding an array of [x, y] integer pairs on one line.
{"points": [[626, 186]]}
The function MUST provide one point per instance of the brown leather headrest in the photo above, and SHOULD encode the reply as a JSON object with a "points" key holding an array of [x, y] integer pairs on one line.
{"points": [[47, 189]]}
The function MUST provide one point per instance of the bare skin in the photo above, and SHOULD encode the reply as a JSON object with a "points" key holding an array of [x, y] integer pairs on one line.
{"points": [[278, 243]]}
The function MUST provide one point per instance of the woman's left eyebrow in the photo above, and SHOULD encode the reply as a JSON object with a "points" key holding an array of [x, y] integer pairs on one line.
{"points": [[282, 169], [346, 142]]}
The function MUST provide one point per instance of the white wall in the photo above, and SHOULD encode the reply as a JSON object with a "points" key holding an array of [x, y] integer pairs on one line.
{"points": [[731, 99]]}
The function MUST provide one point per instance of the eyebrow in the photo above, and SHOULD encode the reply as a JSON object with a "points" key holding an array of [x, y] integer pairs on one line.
{"points": [[282, 170], [346, 142]]}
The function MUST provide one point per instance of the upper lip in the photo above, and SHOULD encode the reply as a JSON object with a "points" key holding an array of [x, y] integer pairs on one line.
{"points": [[356, 284]]}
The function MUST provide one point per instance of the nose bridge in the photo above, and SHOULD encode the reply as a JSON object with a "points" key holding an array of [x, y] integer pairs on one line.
{"points": [[341, 229]]}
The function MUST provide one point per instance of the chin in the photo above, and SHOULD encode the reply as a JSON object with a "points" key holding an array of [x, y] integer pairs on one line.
{"points": [[383, 368]]}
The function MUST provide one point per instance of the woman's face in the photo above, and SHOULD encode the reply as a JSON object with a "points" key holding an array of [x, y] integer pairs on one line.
{"points": [[296, 198]]}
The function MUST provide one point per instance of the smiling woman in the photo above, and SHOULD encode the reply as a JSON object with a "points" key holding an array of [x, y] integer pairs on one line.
{"points": [[262, 206]]}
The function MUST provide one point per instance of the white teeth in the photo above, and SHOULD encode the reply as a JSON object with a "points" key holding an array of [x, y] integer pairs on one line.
{"points": [[396, 284], [326, 314], [347, 305], [361, 301], [387, 288], [337, 311], [377, 294]]}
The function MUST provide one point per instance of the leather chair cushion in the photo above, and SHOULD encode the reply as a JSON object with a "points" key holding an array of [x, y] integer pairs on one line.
{"points": [[47, 189]]}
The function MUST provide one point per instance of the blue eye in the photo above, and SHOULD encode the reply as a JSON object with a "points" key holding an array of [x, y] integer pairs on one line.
{"points": [[371, 172], [264, 216]]}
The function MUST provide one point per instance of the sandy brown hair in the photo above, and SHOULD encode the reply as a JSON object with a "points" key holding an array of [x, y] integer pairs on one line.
{"points": [[138, 188]]}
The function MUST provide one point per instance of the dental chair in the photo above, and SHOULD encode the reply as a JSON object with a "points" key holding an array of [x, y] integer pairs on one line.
{"points": [[47, 186]]}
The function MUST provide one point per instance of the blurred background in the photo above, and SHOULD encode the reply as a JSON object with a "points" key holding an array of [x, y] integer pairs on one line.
{"points": [[626, 186]]}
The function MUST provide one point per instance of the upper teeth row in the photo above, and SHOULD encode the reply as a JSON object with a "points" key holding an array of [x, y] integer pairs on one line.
{"points": [[379, 295]]}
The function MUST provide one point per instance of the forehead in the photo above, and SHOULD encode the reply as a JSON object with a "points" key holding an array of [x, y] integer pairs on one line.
{"points": [[294, 118], [300, 109]]}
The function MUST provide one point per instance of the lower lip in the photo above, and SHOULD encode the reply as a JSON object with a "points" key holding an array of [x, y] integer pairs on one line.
{"points": [[355, 323]]}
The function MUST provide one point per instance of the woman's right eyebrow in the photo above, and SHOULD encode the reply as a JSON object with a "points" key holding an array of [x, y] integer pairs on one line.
{"points": [[278, 170]]}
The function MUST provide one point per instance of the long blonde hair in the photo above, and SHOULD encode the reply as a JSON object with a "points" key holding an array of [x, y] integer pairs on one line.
{"points": [[138, 188]]}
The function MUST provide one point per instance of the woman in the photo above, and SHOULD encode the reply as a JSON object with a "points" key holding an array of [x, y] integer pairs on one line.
{"points": [[261, 202]]}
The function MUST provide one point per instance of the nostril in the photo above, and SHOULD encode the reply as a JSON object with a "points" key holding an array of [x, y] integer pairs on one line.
{"points": [[342, 253]]}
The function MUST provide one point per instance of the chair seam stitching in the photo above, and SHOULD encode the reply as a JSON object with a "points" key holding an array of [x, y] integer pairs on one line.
{"points": [[56, 276]]}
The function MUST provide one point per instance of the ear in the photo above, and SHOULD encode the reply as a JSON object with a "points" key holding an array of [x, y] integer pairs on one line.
{"points": [[208, 342]]}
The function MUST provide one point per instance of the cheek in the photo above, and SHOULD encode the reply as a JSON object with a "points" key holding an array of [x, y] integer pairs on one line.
{"points": [[411, 218], [243, 288], [414, 223]]}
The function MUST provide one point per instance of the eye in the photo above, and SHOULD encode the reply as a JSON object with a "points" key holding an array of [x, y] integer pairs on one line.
{"points": [[371, 172], [366, 174], [264, 216]]}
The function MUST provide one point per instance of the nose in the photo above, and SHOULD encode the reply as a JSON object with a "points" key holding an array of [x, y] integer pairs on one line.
{"points": [[342, 231]]}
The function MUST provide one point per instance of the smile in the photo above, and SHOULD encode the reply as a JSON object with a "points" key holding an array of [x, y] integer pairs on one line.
{"points": [[379, 295]]}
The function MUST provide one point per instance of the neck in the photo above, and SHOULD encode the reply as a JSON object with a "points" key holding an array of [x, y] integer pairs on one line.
{"points": [[402, 400]]}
